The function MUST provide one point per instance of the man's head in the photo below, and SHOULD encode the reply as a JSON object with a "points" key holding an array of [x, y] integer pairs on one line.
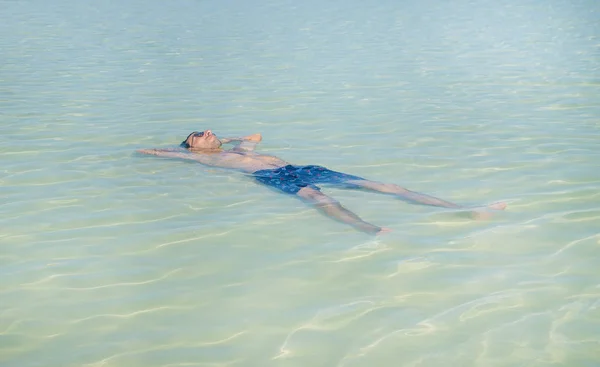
{"points": [[201, 140]]}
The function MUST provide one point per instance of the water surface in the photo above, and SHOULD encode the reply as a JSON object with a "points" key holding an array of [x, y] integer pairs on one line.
{"points": [[110, 258]]}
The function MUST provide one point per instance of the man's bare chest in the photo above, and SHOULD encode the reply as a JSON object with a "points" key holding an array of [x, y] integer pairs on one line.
{"points": [[251, 159]]}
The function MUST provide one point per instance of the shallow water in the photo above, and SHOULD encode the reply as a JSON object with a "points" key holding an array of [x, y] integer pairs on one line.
{"points": [[110, 258]]}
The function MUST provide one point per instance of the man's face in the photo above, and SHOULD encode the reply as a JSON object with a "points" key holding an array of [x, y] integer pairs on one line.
{"points": [[203, 140]]}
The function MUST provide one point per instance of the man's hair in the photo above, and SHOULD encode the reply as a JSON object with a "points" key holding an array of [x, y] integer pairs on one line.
{"points": [[184, 143]]}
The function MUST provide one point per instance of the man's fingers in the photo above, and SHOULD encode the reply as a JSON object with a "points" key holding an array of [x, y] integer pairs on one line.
{"points": [[254, 137]]}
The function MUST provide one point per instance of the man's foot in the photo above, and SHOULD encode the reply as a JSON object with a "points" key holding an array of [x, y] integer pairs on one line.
{"points": [[497, 206], [486, 212], [383, 230]]}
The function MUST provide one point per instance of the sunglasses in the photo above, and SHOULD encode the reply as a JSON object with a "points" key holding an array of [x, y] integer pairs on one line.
{"points": [[197, 134]]}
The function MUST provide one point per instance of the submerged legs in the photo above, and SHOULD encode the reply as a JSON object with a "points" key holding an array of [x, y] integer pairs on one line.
{"points": [[333, 209], [413, 196]]}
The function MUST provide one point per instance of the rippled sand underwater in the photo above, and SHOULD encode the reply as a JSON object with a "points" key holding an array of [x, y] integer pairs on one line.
{"points": [[110, 258]]}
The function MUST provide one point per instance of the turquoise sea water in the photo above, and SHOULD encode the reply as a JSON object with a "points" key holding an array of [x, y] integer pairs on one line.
{"points": [[109, 258]]}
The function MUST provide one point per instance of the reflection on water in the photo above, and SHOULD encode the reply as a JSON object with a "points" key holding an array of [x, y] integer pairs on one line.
{"points": [[114, 259]]}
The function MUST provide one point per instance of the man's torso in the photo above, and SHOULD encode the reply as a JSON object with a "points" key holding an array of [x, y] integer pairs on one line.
{"points": [[247, 161]]}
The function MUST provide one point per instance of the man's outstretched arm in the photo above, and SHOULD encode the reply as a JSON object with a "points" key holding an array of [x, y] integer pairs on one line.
{"points": [[214, 160], [178, 153]]}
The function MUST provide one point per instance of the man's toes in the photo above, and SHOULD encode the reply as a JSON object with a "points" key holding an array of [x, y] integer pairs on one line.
{"points": [[498, 206]]}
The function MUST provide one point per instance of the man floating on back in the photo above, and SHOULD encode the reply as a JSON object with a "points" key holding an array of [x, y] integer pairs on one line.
{"points": [[301, 181]]}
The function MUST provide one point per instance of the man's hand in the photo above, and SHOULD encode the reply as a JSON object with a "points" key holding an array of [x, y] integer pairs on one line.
{"points": [[169, 153], [158, 151], [255, 138], [148, 151]]}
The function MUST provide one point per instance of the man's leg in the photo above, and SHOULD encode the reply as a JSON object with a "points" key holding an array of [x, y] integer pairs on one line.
{"points": [[333, 209], [416, 197], [325, 175]]}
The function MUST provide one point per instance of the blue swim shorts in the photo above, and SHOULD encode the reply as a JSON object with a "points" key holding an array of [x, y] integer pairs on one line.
{"points": [[291, 179]]}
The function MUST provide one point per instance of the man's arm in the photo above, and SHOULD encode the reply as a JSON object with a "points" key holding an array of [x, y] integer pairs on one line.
{"points": [[248, 143], [177, 153], [251, 138]]}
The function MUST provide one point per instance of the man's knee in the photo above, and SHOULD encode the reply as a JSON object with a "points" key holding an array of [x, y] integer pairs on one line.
{"points": [[394, 188], [315, 196], [380, 186]]}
